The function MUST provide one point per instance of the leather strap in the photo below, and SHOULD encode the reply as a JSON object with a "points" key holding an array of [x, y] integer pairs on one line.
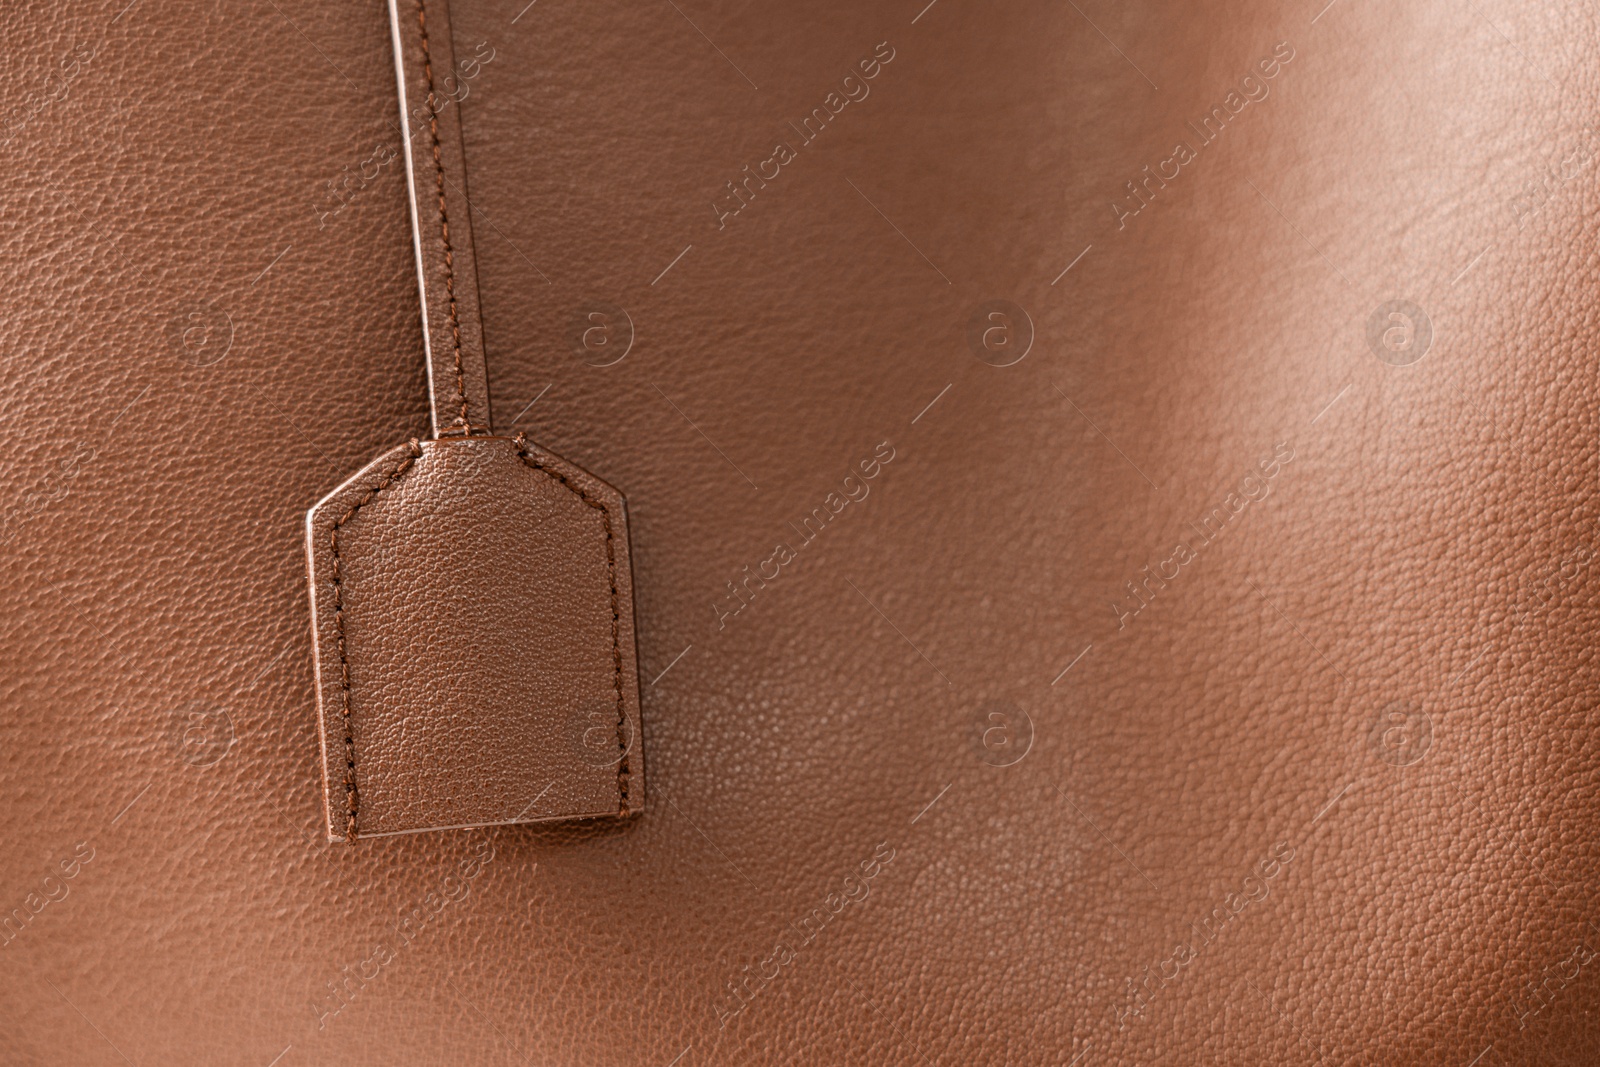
{"points": [[471, 596], [431, 91]]}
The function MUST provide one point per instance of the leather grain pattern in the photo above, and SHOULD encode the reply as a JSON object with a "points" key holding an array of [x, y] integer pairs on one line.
{"points": [[470, 599], [991, 771], [472, 606]]}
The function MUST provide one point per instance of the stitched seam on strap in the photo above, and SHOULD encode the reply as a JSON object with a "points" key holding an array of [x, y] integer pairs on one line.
{"points": [[444, 220], [338, 629], [616, 616]]}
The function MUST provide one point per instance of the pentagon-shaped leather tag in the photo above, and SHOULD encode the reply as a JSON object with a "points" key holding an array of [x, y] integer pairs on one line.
{"points": [[472, 607]]}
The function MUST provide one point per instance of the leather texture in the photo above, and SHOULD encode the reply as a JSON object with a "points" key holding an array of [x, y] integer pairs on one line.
{"points": [[470, 599], [934, 791], [472, 607]]}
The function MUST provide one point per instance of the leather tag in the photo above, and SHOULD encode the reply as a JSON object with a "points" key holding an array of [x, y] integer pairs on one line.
{"points": [[472, 607]]}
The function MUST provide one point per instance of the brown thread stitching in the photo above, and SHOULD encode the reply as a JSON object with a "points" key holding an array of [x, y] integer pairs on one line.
{"points": [[521, 442], [444, 219], [338, 627]]}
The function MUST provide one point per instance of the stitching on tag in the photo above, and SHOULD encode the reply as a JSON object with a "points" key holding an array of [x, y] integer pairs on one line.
{"points": [[444, 220], [415, 450], [616, 615]]}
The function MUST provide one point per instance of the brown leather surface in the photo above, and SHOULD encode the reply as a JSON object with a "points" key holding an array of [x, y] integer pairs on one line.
{"points": [[472, 610], [935, 792]]}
